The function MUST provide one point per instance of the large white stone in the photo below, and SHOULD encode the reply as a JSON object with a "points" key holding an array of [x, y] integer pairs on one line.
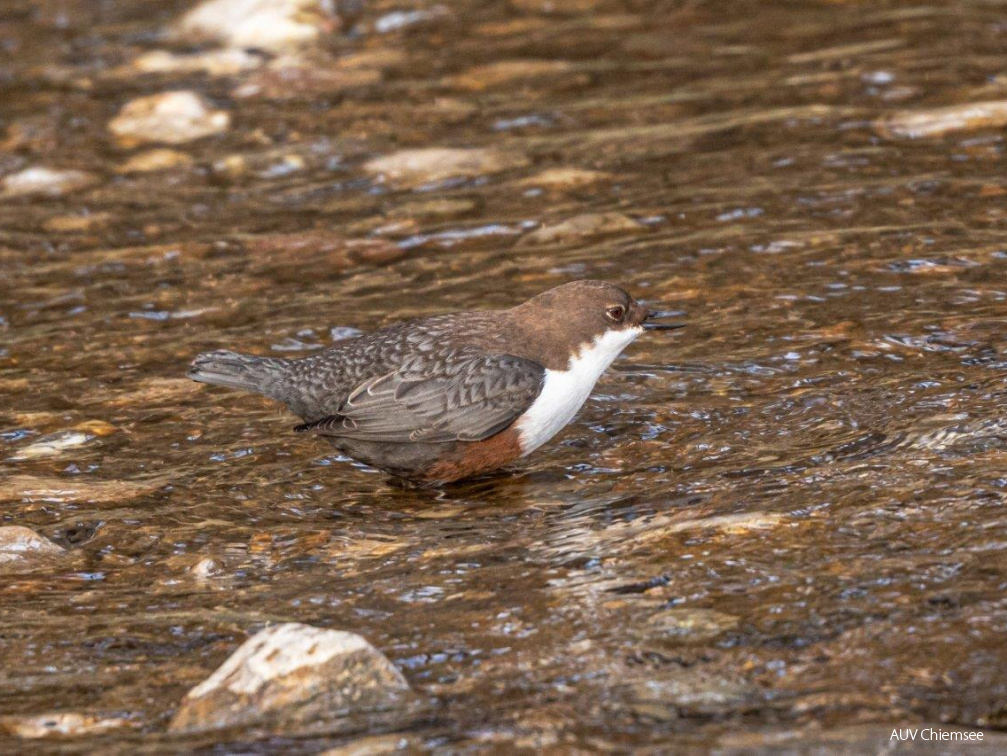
{"points": [[168, 118], [293, 674], [49, 182], [271, 25], [21, 544]]}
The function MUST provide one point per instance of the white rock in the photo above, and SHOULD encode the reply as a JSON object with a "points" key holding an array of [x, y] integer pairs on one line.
{"points": [[225, 62], [271, 25], [18, 544], [157, 159], [413, 168], [169, 118], [50, 182], [205, 568], [397, 20], [63, 723], [292, 674], [53, 444], [939, 122]]}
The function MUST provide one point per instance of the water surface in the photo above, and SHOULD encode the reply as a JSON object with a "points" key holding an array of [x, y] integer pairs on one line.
{"points": [[812, 474]]}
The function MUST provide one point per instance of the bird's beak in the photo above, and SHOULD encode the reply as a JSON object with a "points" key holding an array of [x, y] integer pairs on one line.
{"points": [[660, 314]]}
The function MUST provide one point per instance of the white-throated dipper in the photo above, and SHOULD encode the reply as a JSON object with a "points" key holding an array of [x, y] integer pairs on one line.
{"points": [[438, 399]]}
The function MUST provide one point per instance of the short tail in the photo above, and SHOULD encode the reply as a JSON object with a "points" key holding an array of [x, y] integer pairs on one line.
{"points": [[263, 375]]}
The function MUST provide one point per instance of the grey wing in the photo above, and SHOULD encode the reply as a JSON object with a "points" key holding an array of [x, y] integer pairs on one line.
{"points": [[470, 399]]}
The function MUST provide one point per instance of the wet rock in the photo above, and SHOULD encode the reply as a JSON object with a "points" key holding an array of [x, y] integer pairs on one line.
{"points": [[227, 62], [151, 392], [378, 745], [691, 625], [415, 168], [290, 77], [231, 167], [293, 675], [96, 427], [169, 118], [378, 58], [938, 122], [38, 134], [436, 208], [53, 444], [730, 524], [587, 226], [276, 26], [283, 257], [57, 724], [48, 182], [692, 692], [75, 224], [22, 545], [206, 568], [507, 72], [558, 179], [194, 565], [56, 443], [53, 489], [151, 161], [557, 7], [398, 20]]}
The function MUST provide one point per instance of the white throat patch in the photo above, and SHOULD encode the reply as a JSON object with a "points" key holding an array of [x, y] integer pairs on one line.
{"points": [[565, 391]]}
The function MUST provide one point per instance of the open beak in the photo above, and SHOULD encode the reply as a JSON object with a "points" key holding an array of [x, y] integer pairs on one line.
{"points": [[661, 314]]}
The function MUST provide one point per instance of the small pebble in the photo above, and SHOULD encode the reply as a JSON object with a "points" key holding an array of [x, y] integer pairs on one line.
{"points": [[47, 182], [169, 118]]}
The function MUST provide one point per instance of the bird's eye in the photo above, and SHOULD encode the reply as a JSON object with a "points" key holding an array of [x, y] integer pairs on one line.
{"points": [[616, 313]]}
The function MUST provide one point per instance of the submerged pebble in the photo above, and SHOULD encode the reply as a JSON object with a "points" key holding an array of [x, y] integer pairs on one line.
{"points": [[284, 256], [48, 182], [507, 72], [205, 568], [226, 62], [291, 77], [53, 444], [79, 488], [566, 178], [937, 122], [435, 208], [557, 7], [77, 223], [397, 20], [64, 723], [292, 675], [415, 168], [275, 26], [688, 625], [586, 226], [151, 161], [730, 524], [688, 693], [170, 118]]}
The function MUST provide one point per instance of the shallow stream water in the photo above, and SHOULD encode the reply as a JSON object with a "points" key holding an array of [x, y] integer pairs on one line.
{"points": [[782, 524]]}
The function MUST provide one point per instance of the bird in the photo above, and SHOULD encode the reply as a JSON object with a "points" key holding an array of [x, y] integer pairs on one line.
{"points": [[439, 399]]}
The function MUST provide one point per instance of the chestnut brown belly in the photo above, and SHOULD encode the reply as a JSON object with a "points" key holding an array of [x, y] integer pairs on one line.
{"points": [[436, 463]]}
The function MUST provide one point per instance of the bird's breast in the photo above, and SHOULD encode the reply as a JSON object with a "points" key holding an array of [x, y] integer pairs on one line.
{"points": [[565, 391]]}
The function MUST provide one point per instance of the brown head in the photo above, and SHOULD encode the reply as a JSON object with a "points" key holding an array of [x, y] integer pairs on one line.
{"points": [[560, 322]]}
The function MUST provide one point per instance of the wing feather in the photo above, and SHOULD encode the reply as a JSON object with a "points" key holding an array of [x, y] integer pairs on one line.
{"points": [[469, 398]]}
